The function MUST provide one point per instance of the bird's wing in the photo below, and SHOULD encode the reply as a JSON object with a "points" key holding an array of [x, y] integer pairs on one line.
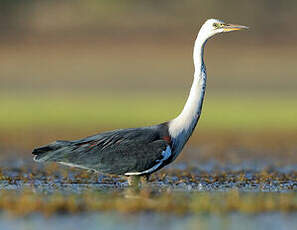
{"points": [[127, 151]]}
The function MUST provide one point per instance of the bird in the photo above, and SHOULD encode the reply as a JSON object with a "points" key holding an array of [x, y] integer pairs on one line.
{"points": [[139, 152]]}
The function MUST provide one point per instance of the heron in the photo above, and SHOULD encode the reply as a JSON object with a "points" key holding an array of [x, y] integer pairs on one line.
{"points": [[139, 152]]}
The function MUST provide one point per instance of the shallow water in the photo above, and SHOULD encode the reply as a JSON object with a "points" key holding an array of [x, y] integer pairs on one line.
{"points": [[148, 221], [251, 193], [247, 176]]}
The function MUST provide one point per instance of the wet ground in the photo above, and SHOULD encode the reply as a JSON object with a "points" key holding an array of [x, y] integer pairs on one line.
{"points": [[222, 186]]}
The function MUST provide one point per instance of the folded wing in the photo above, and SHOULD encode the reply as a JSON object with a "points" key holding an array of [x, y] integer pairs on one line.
{"points": [[126, 151]]}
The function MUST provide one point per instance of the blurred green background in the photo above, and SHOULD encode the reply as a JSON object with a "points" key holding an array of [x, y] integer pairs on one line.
{"points": [[70, 68]]}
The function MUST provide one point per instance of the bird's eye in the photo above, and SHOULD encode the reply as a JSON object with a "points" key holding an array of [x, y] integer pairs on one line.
{"points": [[215, 25]]}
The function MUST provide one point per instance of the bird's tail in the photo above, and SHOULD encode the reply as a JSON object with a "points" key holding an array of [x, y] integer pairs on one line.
{"points": [[50, 152]]}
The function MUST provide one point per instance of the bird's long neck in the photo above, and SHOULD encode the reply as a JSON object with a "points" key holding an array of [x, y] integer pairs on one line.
{"points": [[183, 126]]}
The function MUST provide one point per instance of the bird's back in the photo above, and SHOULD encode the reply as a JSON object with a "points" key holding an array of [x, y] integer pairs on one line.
{"points": [[120, 151]]}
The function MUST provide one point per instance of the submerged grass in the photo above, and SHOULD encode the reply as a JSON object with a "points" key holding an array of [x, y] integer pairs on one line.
{"points": [[27, 202]]}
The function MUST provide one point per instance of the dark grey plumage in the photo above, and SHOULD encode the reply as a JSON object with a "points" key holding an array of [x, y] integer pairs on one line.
{"points": [[115, 152]]}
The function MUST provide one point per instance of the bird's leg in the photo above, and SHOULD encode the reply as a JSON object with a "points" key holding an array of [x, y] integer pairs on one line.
{"points": [[144, 179], [137, 181], [133, 181]]}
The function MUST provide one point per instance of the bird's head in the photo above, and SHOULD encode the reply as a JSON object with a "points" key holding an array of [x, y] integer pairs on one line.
{"points": [[214, 26]]}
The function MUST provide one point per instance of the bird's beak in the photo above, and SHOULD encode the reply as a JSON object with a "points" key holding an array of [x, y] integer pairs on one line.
{"points": [[233, 27]]}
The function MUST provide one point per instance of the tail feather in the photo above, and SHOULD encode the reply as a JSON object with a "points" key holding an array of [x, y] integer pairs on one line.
{"points": [[44, 153]]}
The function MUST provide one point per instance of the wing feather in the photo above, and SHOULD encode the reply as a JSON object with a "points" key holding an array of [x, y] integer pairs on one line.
{"points": [[118, 152]]}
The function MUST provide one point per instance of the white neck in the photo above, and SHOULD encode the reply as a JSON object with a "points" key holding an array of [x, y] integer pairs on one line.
{"points": [[182, 126]]}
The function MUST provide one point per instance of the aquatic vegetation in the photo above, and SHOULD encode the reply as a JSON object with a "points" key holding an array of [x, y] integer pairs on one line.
{"points": [[53, 189], [28, 202]]}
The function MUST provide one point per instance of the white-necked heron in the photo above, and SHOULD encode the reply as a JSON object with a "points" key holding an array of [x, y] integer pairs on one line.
{"points": [[139, 152]]}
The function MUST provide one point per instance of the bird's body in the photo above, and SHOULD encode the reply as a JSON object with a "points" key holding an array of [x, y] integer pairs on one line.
{"points": [[140, 151], [136, 151]]}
